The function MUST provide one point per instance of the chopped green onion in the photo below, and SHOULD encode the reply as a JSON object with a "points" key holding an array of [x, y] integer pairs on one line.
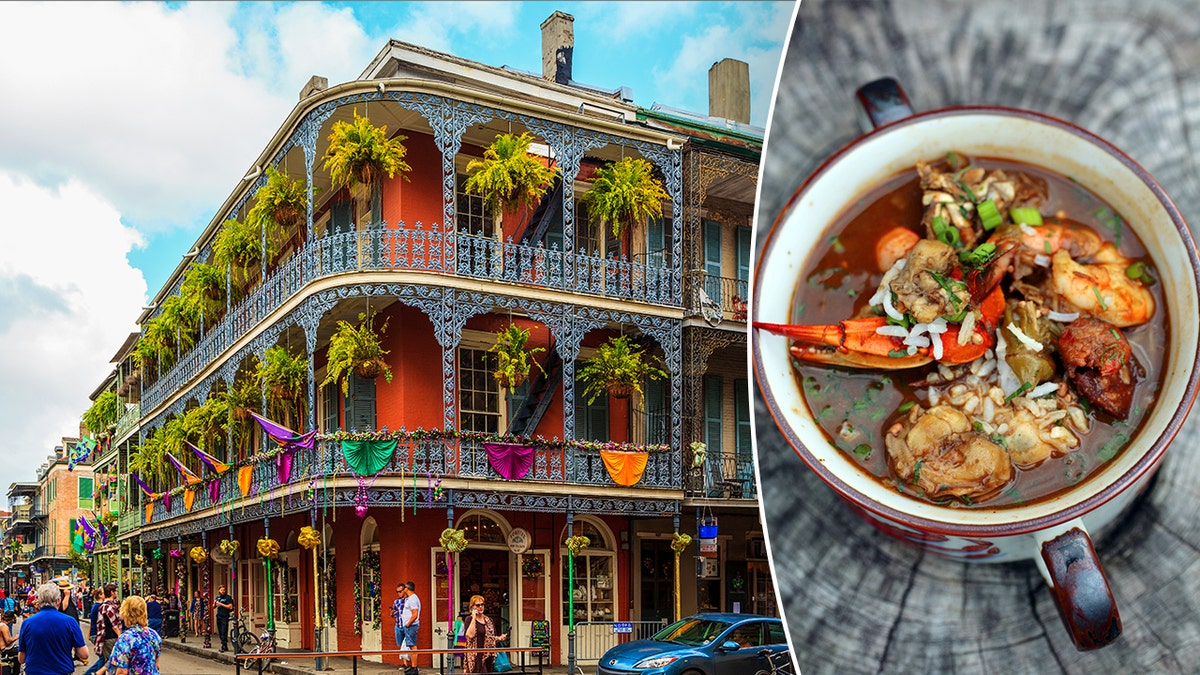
{"points": [[947, 234], [952, 158], [1138, 271], [989, 215], [1025, 386], [948, 286], [982, 255], [1110, 220], [862, 450], [898, 353], [966, 499], [837, 245], [1100, 298], [917, 471], [906, 406], [1025, 215], [967, 189]]}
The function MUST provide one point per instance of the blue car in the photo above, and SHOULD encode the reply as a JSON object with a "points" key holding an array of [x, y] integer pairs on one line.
{"points": [[704, 644]]}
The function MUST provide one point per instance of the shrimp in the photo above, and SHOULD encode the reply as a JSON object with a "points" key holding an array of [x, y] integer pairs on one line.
{"points": [[939, 451], [1102, 289]]}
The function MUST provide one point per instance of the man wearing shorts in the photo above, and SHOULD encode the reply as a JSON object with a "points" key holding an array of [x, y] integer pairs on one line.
{"points": [[409, 624]]}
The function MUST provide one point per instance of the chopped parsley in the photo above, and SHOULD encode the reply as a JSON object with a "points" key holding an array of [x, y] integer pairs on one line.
{"points": [[1025, 386], [863, 450]]}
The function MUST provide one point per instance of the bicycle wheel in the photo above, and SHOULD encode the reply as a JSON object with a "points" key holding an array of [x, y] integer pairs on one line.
{"points": [[248, 642]]}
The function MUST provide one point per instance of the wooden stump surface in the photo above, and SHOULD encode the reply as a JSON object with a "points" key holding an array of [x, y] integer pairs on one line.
{"points": [[855, 600]]}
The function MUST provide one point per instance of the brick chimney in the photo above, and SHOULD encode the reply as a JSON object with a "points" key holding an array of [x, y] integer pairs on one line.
{"points": [[729, 90], [558, 43]]}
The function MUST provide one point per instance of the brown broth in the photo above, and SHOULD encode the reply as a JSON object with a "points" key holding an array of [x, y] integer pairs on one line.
{"points": [[839, 278]]}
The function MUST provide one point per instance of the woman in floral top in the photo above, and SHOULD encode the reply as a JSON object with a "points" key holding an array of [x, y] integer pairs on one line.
{"points": [[136, 650]]}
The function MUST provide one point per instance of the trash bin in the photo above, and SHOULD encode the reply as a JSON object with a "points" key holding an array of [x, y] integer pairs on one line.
{"points": [[171, 623]]}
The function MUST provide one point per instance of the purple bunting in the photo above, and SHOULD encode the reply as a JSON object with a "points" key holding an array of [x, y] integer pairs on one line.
{"points": [[214, 491], [145, 488], [285, 437], [511, 460], [166, 499], [283, 464]]}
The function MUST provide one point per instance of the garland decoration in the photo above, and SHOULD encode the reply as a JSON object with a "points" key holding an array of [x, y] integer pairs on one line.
{"points": [[175, 553], [328, 571], [229, 546], [139, 558], [157, 553], [680, 542], [309, 538], [479, 437], [453, 541], [268, 548], [738, 583], [577, 543], [369, 562], [198, 554], [531, 566]]}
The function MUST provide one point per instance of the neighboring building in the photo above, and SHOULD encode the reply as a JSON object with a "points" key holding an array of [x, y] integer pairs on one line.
{"points": [[422, 253], [45, 518]]}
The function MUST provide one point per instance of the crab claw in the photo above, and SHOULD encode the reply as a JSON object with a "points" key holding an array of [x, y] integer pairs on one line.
{"points": [[857, 343]]}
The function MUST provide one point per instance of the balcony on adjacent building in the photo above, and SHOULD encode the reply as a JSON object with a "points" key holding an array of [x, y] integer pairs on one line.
{"points": [[717, 298], [20, 516], [128, 421], [49, 551], [723, 475]]}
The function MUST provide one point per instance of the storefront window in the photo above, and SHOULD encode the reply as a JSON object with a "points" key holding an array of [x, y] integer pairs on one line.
{"points": [[594, 592]]}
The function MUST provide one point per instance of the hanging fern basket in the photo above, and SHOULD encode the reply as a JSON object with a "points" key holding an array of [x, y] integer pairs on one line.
{"points": [[620, 389], [510, 382], [288, 216], [370, 369]]}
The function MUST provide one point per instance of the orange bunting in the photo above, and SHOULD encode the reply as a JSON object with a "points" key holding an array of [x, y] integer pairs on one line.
{"points": [[189, 498], [626, 468], [245, 474], [149, 510]]}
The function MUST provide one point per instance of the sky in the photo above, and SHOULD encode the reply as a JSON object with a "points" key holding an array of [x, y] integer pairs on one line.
{"points": [[123, 126]]}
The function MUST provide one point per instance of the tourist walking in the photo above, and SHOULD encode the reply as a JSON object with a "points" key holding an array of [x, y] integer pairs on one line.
{"points": [[108, 628], [8, 627], [154, 613], [50, 640], [137, 649], [223, 606], [195, 609], [406, 610], [69, 603]]}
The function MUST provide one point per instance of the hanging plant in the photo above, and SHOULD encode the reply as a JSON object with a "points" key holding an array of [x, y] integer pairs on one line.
{"points": [[105, 410], [204, 285], [281, 203], [358, 349], [508, 177], [577, 543], [268, 548], [625, 193], [619, 368], [360, 152], [531, 566], [239, 247], [368, 562], [198, 554], [512, 358], [285, 376], [453, 541]]}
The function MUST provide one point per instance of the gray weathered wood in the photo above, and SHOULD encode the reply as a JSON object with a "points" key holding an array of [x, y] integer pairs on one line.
{"points": [[856, 601]]}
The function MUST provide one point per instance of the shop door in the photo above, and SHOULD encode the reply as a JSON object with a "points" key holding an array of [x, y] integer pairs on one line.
{"points": [[445, 599], [533, 595], [372, 637]]}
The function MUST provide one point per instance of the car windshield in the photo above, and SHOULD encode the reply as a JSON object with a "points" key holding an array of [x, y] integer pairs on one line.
{"points": [[692, 632]]}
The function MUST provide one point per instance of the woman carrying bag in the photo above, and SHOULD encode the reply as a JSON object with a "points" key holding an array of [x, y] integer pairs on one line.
{"points": [[481, 634]]}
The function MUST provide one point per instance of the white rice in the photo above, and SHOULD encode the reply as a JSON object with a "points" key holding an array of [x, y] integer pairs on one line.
{"points": [[966, 329], [1024, 339], [936, 338], [1041, 260], [892, 331], [1064, 317], [889, 308], [1042, 390]]}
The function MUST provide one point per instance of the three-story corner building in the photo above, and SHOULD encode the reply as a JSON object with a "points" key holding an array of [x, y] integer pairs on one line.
{"points": [[440, 445]]}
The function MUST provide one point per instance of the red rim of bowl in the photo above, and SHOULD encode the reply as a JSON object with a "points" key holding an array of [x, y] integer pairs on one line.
{"points": [[1146, 463]]}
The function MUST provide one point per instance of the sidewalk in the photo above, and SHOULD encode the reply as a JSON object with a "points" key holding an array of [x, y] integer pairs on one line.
{"points": [[287, 665]]}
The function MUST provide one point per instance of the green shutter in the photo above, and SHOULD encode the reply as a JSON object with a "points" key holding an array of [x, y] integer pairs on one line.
{"points": [[712, 261], [656, 243], [654, 403], [86, 492], [330, 394], [712, 413], [360, 404], [741, 414], [743, 253], [341, 216]]}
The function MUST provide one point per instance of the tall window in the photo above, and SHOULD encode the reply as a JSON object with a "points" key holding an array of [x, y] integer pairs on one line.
{"points": [[589, 237], [591, 420], [471, 213], [329, 407], [595, 576], [744, 439], [86, 498], [478, 392]]}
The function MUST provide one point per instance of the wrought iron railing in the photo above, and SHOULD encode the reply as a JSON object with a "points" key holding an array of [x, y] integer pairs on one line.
{"points": [[415, 249], [50, 551], [723, 475], [723, 293], [129, 520], [565, 464], [20, 513], [133, 413]]}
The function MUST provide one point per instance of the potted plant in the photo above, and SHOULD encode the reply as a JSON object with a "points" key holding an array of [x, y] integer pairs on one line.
{"points": [[508, 177], [284, 375], [356, 348], [360, 152], [619, 367], [106, 410], [204, 286], [624, 193], [281, 203], [512, 358]]}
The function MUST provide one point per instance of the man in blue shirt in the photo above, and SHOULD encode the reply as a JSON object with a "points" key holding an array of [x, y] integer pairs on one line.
{"points": [[51, 641]]}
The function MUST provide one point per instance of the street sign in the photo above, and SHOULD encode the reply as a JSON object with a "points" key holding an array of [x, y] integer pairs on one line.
{"points": [[623, 627]]}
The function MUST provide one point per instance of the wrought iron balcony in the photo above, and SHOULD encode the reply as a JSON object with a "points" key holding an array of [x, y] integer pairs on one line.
{"points": [[133, 413], [20, 515], [723, 475], [553, 463], [708, 292], [416, 249], [50, 551], [128, 520]]}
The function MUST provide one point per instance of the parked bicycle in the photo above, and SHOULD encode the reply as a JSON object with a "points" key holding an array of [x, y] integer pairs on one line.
{"points": [[244, 640], [778, 663]]}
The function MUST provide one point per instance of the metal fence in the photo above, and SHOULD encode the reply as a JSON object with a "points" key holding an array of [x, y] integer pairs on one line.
{"points": [[593, 638]]}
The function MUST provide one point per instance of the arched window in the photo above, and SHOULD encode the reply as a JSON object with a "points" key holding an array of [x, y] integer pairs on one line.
{"points": [[482, 528], [594, 592], [368, 591]]}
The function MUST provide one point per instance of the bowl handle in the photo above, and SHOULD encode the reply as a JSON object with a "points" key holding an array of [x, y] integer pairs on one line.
{"points": [[1085, 602], [881, 102]]}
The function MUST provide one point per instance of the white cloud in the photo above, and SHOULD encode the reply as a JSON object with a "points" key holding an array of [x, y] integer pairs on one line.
{"points": [[68, 299], [436, 24]]}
